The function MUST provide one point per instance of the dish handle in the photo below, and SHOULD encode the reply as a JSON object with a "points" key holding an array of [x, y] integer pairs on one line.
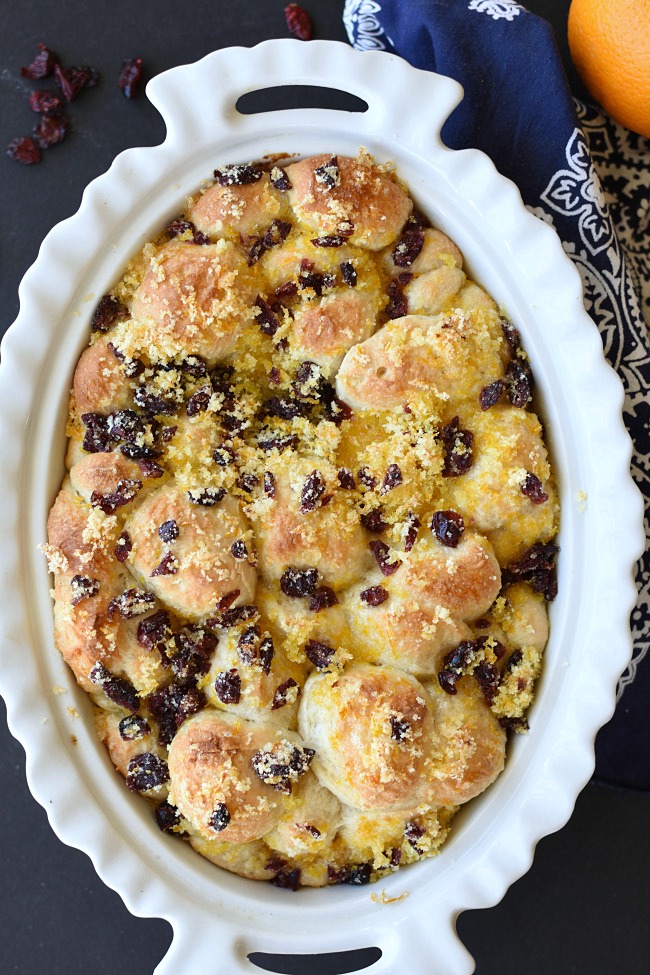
{"points": [[414, 945], [384, 81]]}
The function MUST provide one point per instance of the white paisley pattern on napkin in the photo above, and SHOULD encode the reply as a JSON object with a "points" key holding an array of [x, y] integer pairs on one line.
{"points": [[497, 9], [605, 188], [361, 22]]}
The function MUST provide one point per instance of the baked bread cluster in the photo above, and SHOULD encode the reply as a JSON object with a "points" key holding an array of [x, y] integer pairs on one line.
{"points": [[304, 547]]}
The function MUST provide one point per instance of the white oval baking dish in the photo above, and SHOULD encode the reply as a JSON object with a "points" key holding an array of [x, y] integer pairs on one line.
{"points": [[219, 918]]}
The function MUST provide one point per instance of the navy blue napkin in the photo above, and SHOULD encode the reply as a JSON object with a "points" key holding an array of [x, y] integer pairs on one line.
{"points": [[579, 171]]}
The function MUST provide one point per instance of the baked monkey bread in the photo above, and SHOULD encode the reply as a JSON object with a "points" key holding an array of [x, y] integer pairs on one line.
{"points": [[304, 546]]}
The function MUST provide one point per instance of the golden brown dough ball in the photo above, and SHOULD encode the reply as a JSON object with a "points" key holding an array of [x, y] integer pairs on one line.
{"points": [[296, 624], [468, 745], [192, 571], [325, 329], [246, 209], [328, 191], [88, 578], [213, 780], [523, 616], [508, 447], [368, 726], [327, 537], [448, 357], [246, 859], [309, 821], [432, 596], [102, 473], [434, 291], [99, 383], [438, 250], [188, 304]]}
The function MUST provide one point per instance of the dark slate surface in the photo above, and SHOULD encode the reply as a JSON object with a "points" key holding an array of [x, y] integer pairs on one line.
{"points": [[584, 905]]}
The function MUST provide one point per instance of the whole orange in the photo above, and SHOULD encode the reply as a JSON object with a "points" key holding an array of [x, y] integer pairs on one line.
{"points": [[609, 42]]}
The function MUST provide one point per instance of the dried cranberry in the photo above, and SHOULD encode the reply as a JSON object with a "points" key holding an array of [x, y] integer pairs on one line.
{"points": [[408, 247], [519, 383], [282, 693], [399, 728], [328, 175], [283, 407], [374, 595], [129, 78], [146, 771], [281, 763], [148, 467], [228, 686], [117, 689], [223, 455], [490, 395], [487, 676], [346, 479], [167, 817], [380, 551], [220, 818], [374, 521], [279, 179], [456, 663], [319, 653], [136, 452], [287, 879], [357, 876], [236, 615], [513, 660], [154, 630], [123, 546], [312, 493], [24, 150], [348, 273], [532, 488], [71, 81], [287, 290], [331, 240], [514, 724], [168, 566], [237, 175], [238, 550], [266, 653], [512, 337], [207, 497], [171, 706], [322, 598], [226, 601], [448, 527], [298, 22], [412, 525], [308, 381], [537, 565], [278, 443], [109, 310], [83, 587], [395, 856], [130, 603], [459, 449], [298, 582], [248, 643], [248, 482], [397, 305], [334, 408], [366, 478], [97, 439], [308, 279], [413, 832], [392, 479], [168, 531], [42, 66], [198, 401], [126, 425], [152, 404], [45, 102], [133, 728], [268, 321], [124, 493], [51, 130], [269, 484]]}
